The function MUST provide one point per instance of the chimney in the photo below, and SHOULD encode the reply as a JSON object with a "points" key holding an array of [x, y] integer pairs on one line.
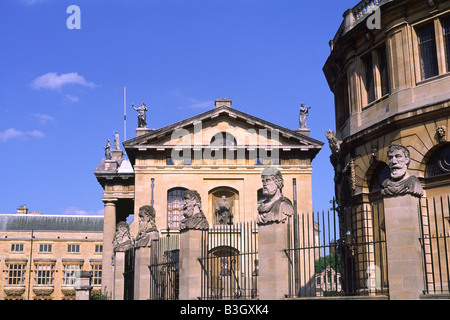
{"points": [[22, 210], [223, 102]]}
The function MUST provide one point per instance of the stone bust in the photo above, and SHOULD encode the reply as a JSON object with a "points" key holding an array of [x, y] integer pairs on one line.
{"points": [[147, 227], [122, 238], [194, 219], [276, 208], [400, 183]]}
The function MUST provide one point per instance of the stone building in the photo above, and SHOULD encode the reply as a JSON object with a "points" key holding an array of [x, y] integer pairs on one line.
{"points": [[219, 153], [389, 70], [40, 254]]}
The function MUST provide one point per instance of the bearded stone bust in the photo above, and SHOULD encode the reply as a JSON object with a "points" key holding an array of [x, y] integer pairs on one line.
{"points": [[147, 227], [122, 238], [276, 208], [194, 219], [400, 183]]}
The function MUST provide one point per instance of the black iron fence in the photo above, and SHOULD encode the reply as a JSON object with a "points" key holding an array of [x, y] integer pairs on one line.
{"points": [[128, 274], [325, 260], [164, 268], [435, 240], [229, 262]]}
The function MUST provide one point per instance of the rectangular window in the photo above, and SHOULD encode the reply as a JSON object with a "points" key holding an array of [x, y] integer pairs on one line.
{"points": [[96, 274], [384, 71], [15, 274], [17, 247], [43, 248], [175, 207], [73, 248], [69, 274], [43, 275], [98, 248], [428, 51], [446, 31], [369, 79]]}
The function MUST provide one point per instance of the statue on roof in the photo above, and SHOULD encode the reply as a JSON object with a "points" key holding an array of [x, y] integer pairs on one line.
{"points": [[108, 155], [116, 141], [142, 117], [304, 113]]}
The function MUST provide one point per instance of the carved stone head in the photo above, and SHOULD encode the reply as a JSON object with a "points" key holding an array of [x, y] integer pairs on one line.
{"points": [[272, 181], [399, 160]]}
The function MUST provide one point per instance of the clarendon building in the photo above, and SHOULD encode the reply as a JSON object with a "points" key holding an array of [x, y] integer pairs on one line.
{"points": [[389, 70], [40, 254], [219, 153]]}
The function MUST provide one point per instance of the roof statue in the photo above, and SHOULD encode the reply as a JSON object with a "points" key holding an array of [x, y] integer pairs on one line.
{"points": [[304, 113], [142, 117], [108, 155]]}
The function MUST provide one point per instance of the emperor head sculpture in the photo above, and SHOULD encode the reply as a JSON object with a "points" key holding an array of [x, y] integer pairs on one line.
{"points": [[122, 239], [401, 182], [276, 208], [147, 227], [194, 219]]}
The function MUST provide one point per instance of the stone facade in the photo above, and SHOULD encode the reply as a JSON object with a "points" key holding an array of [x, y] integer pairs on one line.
{"points": [[219, 153], [391, 85], [55, 247]]}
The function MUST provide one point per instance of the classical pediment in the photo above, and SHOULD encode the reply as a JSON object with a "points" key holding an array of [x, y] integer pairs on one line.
{"points": [[201, 130]]}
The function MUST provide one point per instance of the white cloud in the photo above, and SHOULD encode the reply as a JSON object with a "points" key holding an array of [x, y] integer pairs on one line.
{"points": [[199, 104], [54, 81], [72, 98], [80, 212], [13, 133], [43, 118]]}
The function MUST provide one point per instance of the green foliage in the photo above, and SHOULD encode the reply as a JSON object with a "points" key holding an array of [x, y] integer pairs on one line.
{"points": [[332, 260]]}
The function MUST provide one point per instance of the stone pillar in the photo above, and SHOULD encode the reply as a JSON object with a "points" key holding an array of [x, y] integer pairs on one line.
{"points": [[142, 273], [404, 252], [273, 282], [83, 285], [190, 268], [119, 269], [109, 229]]}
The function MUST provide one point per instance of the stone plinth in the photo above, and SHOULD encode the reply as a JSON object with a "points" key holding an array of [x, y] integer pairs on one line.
{"points": [[404, 252], [117, 155], [141, 131], [190, 268], [119, 282], [273, 282], [111, 165], [83, 284], [142, 273]]}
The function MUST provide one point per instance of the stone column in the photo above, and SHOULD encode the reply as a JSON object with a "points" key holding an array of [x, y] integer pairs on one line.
{"points": [[83, 285], [404, 252], [119, 269], [273, 282], [109, 229], [190, 268]]}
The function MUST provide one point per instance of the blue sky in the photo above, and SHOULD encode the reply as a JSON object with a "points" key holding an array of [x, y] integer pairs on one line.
{"points": [[61, 90]]}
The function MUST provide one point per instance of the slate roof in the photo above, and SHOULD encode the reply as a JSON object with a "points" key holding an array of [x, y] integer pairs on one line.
{"points": [[27, 222]]}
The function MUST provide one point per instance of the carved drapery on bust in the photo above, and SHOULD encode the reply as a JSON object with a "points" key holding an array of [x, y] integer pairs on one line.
{"points": [[400, 183], [276, 208], [122, 239], [147, 227], [194, 218]]}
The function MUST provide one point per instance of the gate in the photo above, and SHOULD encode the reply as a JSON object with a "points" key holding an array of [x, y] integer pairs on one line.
{"points": [[128, 275], [164, 268], [334, 254], [229, 262]]}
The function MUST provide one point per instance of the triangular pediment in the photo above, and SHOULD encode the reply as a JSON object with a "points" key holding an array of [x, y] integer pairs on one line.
{"points": [[198, 131]]}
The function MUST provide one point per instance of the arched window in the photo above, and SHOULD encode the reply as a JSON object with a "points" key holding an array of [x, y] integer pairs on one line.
{"points": [[439, 163], [175, 207], [223, 139]]}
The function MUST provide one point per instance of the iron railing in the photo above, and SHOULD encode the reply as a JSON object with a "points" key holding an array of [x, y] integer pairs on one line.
{"points": [[230, 262], [435, 240], [332, 254]]}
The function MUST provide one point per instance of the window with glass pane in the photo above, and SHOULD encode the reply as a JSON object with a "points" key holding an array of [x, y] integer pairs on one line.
{"points": [[69, 274], [43, 274], [45, 248], [17, 247], [369, 79], [446, 26], [175, 207], [15, 274], [96, 274], [428, 53], [73, 248], [384, 71]]}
